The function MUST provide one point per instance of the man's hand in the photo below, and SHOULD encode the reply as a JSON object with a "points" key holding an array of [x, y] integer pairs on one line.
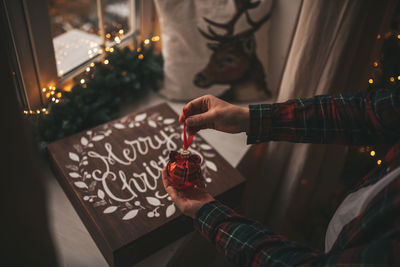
{"points": [[189, 200], [211, 112]]}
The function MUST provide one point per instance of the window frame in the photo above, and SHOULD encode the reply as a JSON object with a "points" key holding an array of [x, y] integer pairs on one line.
{"points": [[33, 59]]}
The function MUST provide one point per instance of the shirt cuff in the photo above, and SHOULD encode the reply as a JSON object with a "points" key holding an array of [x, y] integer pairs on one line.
{"points": [[260, 123], [209, 216]]}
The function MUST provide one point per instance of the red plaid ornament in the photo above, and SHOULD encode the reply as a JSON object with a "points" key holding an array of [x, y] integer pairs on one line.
{"points": [[184, 168]]}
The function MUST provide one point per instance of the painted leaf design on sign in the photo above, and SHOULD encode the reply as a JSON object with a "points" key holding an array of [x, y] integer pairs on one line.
{"points": [[170, 210], [74, 175], [110, 209], [98, 137], [131, 214], [92, 185], [84, 141], [208, 155], [119, 126], [80, 185], [99, 203], [205, 147], [141, 117], [153, 201], [72, 167], [211, 165], [169, 121], [100, 193], [73, 156], [152, 124]]}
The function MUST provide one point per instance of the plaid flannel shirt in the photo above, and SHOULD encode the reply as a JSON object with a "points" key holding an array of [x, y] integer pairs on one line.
{"points": [[371, 239]]}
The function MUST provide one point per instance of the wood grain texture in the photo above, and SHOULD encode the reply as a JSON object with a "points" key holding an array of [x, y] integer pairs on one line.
{"points": [[111, 174]]}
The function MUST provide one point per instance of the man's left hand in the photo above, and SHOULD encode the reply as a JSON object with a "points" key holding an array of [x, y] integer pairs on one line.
{"points": [[188, 200]]}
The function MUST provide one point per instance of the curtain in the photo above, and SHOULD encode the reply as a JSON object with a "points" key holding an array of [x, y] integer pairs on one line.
{"points": [[330, 53]]}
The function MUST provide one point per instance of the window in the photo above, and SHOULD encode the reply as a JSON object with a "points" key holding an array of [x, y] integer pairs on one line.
{"points": [[54, 40], [82, 28]]}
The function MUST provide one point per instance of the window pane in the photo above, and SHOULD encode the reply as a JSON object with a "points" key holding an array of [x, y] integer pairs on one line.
{"points": [[75, 29], [116, 18], [75, 32]]}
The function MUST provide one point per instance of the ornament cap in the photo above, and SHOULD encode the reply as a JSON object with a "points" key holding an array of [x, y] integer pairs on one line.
{"points": [[184, 152]]}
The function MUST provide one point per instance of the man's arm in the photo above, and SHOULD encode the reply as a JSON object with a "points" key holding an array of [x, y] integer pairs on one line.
{"points": [[357, 118], [247, 243]]}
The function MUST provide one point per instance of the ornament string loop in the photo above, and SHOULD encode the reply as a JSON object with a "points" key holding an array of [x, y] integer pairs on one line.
{"points": [[186, 139]]}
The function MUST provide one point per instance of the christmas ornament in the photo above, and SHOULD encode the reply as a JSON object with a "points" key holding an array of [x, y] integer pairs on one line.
{"points": [[184, 167]]}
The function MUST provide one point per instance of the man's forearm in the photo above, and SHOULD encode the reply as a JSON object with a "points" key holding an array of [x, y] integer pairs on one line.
{"points": [[357, 118], [246, 243]]}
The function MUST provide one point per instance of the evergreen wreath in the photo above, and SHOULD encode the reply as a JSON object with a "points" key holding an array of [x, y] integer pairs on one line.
{"points": [[123, 75]]}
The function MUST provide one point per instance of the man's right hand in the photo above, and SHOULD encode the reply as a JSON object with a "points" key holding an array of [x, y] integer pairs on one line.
{"points": [[210, 112]]}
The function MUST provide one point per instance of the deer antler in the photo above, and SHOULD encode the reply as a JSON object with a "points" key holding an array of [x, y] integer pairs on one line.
{"points": [[256, 25], [242, 7]]}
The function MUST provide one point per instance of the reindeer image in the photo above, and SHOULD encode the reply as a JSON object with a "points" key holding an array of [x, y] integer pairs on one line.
{"points": [[234, 60]]}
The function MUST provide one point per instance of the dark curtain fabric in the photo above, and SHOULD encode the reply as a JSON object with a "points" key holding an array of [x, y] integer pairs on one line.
{"points": [[25, 236]]}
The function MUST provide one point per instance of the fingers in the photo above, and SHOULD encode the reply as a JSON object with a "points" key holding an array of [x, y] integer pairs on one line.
{"points": [[196, 106], [198, 122]]}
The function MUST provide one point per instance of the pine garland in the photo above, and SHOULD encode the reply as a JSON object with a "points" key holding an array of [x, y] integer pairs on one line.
{"points": [[127, 75]]}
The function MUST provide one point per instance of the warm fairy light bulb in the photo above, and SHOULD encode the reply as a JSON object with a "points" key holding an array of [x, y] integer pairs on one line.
{"points": [[57, 100], [117, 39], [371, 81], [108, 36], [398, 77], [146, 42], [43, 89], [92, 64], [52, 93], [53, 99], [107, 49], [44, 109], [398, 36], [376, 64], [106, 61], [50, 87], [87, 69], [25, 112], [59, 94], [372, 153], [140, 56], [391, 79], [379, 162], [82, 81], [112, 49], [121, 31], [38, 111], [155, 38], [378, 36]]}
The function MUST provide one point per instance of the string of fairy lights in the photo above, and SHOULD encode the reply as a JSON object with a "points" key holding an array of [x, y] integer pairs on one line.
{"points": [[54, 95], [372, 81], [375, 64]]}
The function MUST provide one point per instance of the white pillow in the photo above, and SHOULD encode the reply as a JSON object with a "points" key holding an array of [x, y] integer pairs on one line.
{"points": [[186, 51]]}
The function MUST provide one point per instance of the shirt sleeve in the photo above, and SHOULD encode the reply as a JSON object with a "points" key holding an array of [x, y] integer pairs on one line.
{"points": [[247, 243], [353, 119]]}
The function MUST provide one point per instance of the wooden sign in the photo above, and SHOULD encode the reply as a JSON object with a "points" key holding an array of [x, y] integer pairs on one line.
{"points": [[112, 176]]}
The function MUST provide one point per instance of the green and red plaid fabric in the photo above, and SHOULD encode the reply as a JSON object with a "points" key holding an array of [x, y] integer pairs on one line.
{"points": [[371, 239]]}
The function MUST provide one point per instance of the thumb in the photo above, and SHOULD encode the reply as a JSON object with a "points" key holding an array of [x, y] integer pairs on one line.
{"points": [[200, 121]]}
